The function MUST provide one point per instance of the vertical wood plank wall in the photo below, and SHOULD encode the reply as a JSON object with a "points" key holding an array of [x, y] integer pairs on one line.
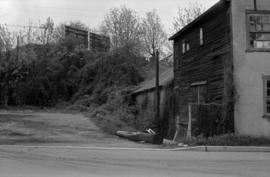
{"points": [[211, 62]]}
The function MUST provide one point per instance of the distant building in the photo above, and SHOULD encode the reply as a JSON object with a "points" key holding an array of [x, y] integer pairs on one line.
{"points": [[223, 57], [89, 40], [145, 97]]}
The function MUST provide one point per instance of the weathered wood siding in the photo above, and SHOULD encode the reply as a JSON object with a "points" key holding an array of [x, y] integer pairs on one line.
{"points": [[206, 62]]}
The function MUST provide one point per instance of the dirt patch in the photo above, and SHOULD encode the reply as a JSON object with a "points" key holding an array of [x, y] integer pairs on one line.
{"points": [[19, 127]]}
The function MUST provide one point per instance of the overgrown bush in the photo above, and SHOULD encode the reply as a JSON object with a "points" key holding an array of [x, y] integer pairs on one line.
{"points": [[115, 114], [209, 120], [96, 82]]}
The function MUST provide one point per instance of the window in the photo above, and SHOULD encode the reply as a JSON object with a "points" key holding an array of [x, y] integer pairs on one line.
{"points": [[201, 36], [259, 31], [266, 88], [185, 46], [199, 92]]}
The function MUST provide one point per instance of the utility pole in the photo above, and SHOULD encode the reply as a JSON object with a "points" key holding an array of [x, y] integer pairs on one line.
{"points": [[255, 5], [156, 56], [18, 48], [17, 99]]}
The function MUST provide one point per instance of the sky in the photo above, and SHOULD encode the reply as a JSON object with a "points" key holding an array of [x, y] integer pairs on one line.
{"points": [[90, 12]]}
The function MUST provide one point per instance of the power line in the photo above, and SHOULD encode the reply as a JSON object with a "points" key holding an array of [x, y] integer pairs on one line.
{"points": [[25, 26], [59, 8], [42, 27], [65, 9]]}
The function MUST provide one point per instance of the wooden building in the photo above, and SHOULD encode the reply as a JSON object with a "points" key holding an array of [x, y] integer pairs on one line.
{"points": [[223, 57], [145, 98]]}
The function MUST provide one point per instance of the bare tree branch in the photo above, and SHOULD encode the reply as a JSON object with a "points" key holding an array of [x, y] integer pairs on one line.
{"points": [[154, 36], [187, 15], [123, 26]]}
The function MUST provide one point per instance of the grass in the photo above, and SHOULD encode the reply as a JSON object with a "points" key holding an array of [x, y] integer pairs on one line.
{"points": [[14, 129], [228, 140]]}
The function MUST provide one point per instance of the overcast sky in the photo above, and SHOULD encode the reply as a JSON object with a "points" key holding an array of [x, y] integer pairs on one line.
{"points": [[90, 12]]}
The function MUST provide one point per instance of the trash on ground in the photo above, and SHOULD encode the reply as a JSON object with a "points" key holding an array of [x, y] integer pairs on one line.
{"points": [[149, 136], [169, 142]]}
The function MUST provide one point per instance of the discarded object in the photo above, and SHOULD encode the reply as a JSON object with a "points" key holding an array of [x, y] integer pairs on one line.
{"points": [[150, 131], [169, 142], [140, 136], [182, 145]]}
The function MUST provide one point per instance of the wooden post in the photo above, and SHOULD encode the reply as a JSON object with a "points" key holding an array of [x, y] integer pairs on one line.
{"points": [[18, 48], [255, 5], [177, 122], [88, 41], [17, 60], [189, 121], [156, 55]]}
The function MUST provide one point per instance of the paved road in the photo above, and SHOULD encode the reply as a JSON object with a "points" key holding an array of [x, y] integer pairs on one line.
{"points": [[17, 161]]}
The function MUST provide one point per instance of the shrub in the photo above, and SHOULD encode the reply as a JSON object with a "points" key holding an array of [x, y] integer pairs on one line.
{"points": [[209, 120], [115, 114]]}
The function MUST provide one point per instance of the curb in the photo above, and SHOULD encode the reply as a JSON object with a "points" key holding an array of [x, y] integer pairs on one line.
{"points": [[89, 148], [195, 148], [225, 149]]}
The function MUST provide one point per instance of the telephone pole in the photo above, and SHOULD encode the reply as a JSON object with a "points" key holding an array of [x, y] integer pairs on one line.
{"points": [[156, 55], [18, 48]]}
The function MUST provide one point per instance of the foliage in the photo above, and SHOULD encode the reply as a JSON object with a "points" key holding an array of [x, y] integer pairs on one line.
{"points": [[209, 120], [115, 114], [140, 35], [44, 75], [123, 26], [107, 72], [40, 66], [154, 36], [186, 15]]}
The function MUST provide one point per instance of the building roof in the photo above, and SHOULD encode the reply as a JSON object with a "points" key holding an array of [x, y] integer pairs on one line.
{"points": [[164, 79], [213, 10]]}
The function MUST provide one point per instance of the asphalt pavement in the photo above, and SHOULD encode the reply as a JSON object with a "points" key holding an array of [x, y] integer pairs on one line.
{"points": [[20, 161]]}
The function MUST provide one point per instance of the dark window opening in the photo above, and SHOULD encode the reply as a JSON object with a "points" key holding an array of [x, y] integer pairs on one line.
{"points": [[201, 36]]}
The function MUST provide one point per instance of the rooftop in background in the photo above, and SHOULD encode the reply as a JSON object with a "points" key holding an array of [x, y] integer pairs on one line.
{"points": [[164, 79]]}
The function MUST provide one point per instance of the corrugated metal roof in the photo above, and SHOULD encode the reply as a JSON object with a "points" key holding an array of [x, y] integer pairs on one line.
{"points": [[164, 79]]}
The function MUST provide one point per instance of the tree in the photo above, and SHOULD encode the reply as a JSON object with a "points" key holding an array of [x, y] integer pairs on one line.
{"points": [[48, 30], [187, 15], [154, 36], [123, 26], [8, 66], [6, 39]]}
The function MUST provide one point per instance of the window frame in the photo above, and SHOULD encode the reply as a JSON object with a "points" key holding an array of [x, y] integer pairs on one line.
{"points": [[185, 46], [265, 79], [255, 12], [201, 36], [199, 86]]}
